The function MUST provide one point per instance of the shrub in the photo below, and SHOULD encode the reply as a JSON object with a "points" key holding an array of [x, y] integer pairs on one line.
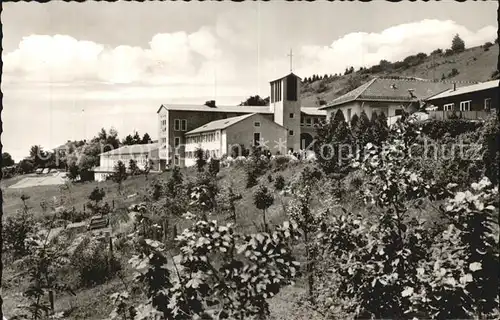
{"points": [[214, 166], [437, 129], [280, 162], [279, 182], [453, 73], [92, 262]]}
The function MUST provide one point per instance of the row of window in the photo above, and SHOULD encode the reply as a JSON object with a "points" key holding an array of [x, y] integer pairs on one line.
{"points": [[308, 121], [465, 105], [276, 91], [180, 125], [208, 137], [208, 154]]}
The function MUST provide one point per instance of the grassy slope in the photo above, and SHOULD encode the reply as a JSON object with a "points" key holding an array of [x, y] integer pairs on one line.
{"points": [[93, 303], [469, 69]]}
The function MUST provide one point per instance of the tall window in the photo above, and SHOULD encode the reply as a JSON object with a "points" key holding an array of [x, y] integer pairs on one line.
{"points": [[256, 138], [349, 115], [291, 132], [465, 106], [177, 125], [183, 125], [487, 104], [177, 141], [448, 107], [291, 88], [272, 92]]}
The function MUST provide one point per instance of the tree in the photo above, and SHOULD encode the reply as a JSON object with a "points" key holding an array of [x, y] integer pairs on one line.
{"points": [[73, 171], [263, 200], [174, 182], [7, 160], [96, 195], [214, 167], [279, 183], [132, 167], [37, 155], [146, 139], [255, 101], [379, 128], [147, 168], [457, 44], [136, 138], [201, 160], [128, 141], [26, 166], [333, 145], [120, 174]]}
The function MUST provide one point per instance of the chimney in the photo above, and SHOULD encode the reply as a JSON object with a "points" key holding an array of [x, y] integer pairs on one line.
{"points": [[210, 103], [454, 86]]}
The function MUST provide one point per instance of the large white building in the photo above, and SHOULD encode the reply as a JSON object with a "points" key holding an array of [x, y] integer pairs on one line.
{"points": [[229, 136], [177, 122], [140, 153]]}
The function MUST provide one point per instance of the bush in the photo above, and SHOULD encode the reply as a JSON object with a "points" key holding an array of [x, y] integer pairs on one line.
{"points": [[280, 163], [214, 166], [437, 129], [487, 46], [92, 264], [453, 73]]}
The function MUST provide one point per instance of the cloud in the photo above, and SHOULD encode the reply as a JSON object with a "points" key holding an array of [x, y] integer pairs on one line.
{"points": [[170, 57], [223, 54], [395, 43]]}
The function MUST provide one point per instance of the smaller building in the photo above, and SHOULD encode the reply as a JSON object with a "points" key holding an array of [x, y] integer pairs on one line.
{"points": [[389, 95], [140, 153], [470, 102], [232, 136]]}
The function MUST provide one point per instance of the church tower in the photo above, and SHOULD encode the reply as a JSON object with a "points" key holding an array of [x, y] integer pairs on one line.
{"points": [[285, 104]]}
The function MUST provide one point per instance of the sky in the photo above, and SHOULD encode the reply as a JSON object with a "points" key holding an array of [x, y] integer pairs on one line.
{"points": [[73, 68]]}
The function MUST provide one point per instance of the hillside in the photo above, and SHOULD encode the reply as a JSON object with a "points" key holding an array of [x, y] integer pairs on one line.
{"points": [[473, 64]]}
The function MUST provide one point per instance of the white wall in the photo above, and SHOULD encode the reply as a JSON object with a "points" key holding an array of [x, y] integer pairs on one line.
{"points": [[163, 115], [242, 133]]}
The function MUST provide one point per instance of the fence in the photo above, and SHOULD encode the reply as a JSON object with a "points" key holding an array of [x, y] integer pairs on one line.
{"points": [[468, 115]]}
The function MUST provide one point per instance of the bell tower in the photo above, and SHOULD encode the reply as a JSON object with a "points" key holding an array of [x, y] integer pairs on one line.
{"points": [[285, 104]]}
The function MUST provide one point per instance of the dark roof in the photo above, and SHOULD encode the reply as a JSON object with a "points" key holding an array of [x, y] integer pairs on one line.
{"points": [[467, 89], [198, 107], [393, 89], [220, 124], [290, 74]]}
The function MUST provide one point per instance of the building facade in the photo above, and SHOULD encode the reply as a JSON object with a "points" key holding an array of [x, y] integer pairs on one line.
{"points": [[391, 96], [175, 121], [142, 154], [469, 102], [232, 136]]}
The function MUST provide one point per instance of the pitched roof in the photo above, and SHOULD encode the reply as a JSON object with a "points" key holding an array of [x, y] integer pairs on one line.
{"points": [[290, 74], [393, 89], [133, 149], [220, 124], [313, 111], [198, 107], [467, 89]]}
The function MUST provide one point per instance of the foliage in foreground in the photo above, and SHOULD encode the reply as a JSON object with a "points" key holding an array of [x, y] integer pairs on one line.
{"points": [[219, 274]]}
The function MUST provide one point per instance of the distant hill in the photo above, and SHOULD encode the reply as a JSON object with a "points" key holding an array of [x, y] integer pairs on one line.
{"points": [[473, 64]]}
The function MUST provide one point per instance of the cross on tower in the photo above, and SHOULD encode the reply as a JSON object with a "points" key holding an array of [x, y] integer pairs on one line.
{"points": [[291, 56]]}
